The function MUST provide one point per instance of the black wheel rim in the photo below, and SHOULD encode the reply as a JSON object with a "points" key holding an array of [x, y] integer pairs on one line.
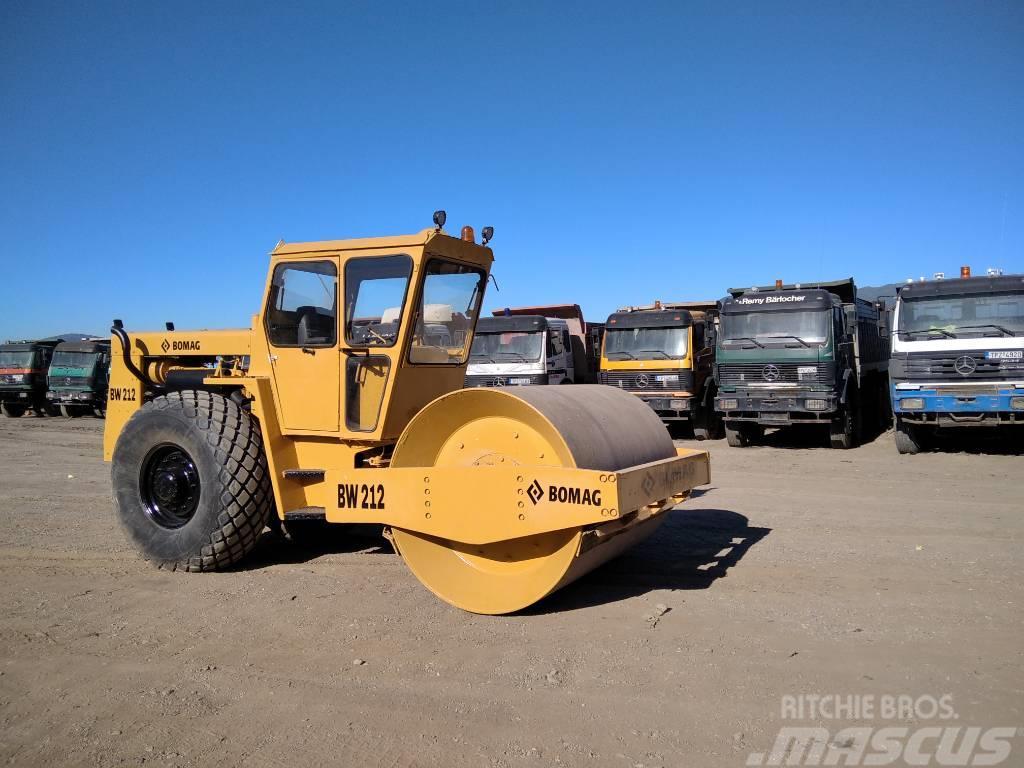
{"points": [[169, 486]]}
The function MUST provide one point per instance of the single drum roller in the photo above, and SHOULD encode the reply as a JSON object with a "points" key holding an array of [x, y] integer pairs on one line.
{"points": [[343, 403], [580, 427]]}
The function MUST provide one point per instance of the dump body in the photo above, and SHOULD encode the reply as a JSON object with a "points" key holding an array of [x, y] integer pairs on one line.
{"points": [[799, 355], [352, 373], [23, 367], [958, 353], [77, 376], [663, 354]]}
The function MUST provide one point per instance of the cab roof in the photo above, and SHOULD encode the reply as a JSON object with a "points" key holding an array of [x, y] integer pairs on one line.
{"points": [[961, 286], [656, 318]]}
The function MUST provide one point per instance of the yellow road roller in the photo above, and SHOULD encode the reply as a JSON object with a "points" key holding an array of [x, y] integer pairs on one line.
{"points": [[343, 403]]}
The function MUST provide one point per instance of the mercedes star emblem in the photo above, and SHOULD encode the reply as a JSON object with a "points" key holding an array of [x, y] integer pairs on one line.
{"points": [[770, 373], [643, 380], [965, 365]]}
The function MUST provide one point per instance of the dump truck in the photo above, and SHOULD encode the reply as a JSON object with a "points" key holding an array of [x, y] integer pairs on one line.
{"points": [[804, 354], [533, 345], [77, 377], [957, 357], [23, 366], [664, 353], [326, 411]]}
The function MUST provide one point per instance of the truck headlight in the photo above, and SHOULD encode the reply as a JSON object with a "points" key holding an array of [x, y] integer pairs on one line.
{"points": [[1017, 403], [816, 404], [912, 403], [728, 405], [684, 405]]}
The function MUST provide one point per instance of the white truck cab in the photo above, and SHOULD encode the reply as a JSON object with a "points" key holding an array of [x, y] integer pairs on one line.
{"points": [[514, 350]]}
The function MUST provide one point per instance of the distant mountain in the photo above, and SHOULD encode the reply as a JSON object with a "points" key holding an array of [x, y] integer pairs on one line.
{"points": [[71, 336], [873, 292]]}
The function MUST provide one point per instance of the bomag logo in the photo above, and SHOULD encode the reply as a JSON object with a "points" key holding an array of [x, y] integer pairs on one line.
{"points": [[182, 345], [564, 494]]}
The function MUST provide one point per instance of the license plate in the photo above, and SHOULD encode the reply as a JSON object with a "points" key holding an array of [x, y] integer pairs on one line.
{"points": [[1005, 354], [770, 416]]}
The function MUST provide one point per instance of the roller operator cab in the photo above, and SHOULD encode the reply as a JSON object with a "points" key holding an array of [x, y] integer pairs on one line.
{"points": [[804, 354], [77, 377], [517, 350], [957, 357], [664, 354], [343, 403], [23, 366]]}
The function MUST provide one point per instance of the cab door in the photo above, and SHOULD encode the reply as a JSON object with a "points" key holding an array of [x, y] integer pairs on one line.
{"points": [[301, 321]]}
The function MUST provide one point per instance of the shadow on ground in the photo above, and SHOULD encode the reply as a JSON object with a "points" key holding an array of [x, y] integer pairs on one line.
{"points": [[691, 550], [274, 548]]}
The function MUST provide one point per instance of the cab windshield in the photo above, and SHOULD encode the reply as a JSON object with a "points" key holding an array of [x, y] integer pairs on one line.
{"points": [[787, 328], [23, 359], [62, 359], [515, 346], [645, 343], [993, 314]]}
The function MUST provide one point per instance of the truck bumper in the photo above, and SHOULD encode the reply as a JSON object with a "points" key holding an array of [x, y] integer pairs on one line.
{"points": [[671, 406], [59, 397], [778, 408], [944, 408], [22, 396]]}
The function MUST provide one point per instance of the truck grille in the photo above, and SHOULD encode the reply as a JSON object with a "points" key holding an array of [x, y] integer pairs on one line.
{"points": [[56, 382], [491, 380], [735, 374], [965, 367], [649, 381]]}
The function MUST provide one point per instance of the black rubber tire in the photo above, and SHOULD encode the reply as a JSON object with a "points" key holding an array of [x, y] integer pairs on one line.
{"points": [[735, 435], [235, 497], [12, 410], [709, 425], [68, 411], [840, 431], [908, 440], [99, 412]]}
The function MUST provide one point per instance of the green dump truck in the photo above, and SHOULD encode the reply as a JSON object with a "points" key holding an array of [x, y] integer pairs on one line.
{"points": [[23, 366], [811, 353], [77, 379]]}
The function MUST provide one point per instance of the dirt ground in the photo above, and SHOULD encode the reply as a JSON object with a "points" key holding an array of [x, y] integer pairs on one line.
{"points": [[800, 570]]}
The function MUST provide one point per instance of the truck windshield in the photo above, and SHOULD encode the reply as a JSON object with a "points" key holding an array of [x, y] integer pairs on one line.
{"points": [[62, 359], [991, 314], [517, 346], [23, 359], [645, 343], [783, 327]]}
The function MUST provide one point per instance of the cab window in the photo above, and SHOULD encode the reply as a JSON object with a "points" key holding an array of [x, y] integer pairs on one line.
{"points": [[375, 289], [302, 307], [447, 312]]}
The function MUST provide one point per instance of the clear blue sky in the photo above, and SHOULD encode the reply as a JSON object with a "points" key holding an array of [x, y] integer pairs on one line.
{"points": [[151, 154]]}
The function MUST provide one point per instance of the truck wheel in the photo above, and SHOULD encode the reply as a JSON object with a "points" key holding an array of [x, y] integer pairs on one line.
{"points": [[908, 441], [710, 426], [99, 413], [841, 430], [12, 410], [190, 479], [736, 435], [67, 412]]}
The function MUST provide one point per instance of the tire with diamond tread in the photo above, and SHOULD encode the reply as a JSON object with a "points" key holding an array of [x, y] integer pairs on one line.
{"points": [[235, 497]]}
